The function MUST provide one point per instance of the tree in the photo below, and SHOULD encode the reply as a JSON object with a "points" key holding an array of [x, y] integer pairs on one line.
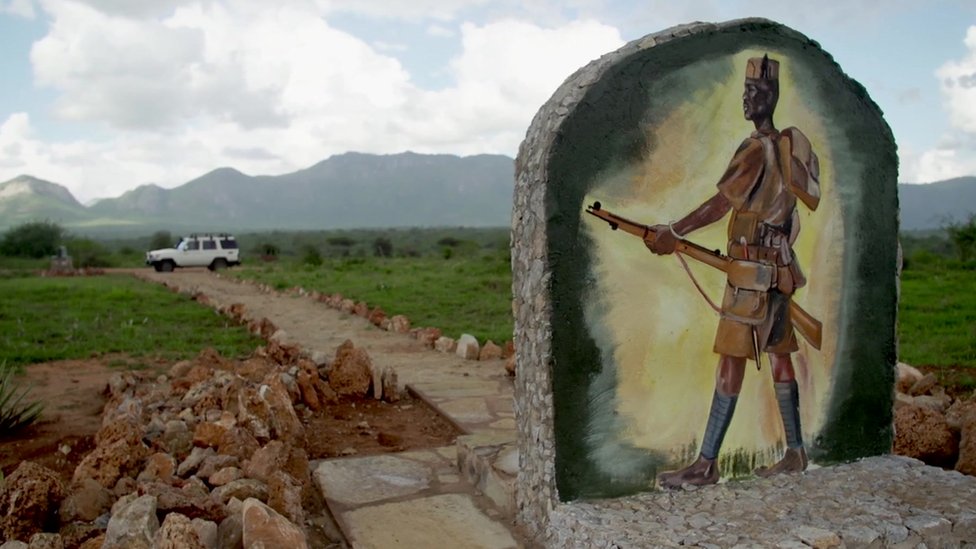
{"points": [[160, 240], [963, 237], [382, 247], [35, 239]]}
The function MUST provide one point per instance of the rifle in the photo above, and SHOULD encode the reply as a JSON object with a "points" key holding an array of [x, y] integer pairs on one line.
{"points": [[745, 274]]}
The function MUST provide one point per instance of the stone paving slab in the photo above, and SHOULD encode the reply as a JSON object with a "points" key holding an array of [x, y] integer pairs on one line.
{"points": [[888, 501], [446, 520], [411, 499]]}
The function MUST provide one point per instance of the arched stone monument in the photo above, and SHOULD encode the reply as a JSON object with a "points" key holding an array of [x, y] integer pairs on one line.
{"points": [[783, 215]]}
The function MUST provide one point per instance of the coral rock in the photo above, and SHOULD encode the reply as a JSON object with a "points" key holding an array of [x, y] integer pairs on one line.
{"points": [[264, 527], [925, 435], [29, 500], [351, 372]]}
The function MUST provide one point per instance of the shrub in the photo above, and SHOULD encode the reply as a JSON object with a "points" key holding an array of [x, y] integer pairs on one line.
{"points": [[268, 251], [36, 239], [85, 252], [312, 256], [160, 240], [963, 237], [382, 247], [15, 412]]}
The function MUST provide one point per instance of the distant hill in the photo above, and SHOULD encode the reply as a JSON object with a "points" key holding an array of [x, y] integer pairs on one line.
{"points": [[351, 190], [932, 205], [355, 190], [27, 198]]}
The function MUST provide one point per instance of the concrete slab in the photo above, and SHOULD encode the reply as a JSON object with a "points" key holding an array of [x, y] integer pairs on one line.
{"points": [[447, 520], [459, 388], [466, 411], [356, 481]]}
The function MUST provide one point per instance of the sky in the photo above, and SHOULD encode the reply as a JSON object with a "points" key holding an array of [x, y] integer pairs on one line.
{"points": [[102, 96]]}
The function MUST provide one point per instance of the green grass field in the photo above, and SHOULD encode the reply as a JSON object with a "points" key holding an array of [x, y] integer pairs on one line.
{"points": [[44, 319], [471, 294], [937, 317]]}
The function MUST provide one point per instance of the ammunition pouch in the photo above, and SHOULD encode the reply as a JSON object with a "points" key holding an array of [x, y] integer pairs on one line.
{"points": [[746, 306], [752, 275]]}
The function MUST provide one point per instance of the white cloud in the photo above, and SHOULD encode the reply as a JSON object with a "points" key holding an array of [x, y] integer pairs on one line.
{"points": [[441, 31], [959, 86], [269, 88], [955, 154], [415, 10], [22, 8]]}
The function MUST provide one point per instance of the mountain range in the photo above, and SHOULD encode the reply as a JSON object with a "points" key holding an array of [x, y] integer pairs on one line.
{"points": [[350, 190], [354, 190]]}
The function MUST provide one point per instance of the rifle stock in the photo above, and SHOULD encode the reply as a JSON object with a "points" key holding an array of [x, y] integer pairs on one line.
{"points": [[809, 327]]}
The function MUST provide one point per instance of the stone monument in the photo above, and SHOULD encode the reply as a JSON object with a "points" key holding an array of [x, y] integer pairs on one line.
{"points": [[705, 269]]}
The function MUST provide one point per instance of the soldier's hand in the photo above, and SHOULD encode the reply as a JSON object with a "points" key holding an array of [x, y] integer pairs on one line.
{"points": [[663, 242]]}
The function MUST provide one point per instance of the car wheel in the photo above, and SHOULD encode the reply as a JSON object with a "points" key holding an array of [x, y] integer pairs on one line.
{"points": [[166, 266], [158, 267], [218, 264]]}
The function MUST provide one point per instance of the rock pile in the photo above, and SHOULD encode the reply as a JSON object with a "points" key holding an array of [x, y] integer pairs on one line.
{"points": [[932, 426], [211, 455]]}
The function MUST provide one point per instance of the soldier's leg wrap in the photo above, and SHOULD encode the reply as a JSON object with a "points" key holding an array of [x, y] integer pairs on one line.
{"points": [[788, 398], [719, 417]]}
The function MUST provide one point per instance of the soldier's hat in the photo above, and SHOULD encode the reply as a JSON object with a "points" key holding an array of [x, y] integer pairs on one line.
{"points": [[762, 68]]}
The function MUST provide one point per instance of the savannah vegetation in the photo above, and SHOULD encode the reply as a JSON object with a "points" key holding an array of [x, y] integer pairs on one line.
{"points": [[459, 280]]}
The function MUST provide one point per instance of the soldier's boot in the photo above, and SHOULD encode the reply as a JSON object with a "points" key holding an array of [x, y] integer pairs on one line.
{"points": [[701, 472], [793, 461], [705, 469], [795, 458]]}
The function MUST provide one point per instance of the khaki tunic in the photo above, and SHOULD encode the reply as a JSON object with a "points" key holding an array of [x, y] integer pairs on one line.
{"points": [[766, 176]]}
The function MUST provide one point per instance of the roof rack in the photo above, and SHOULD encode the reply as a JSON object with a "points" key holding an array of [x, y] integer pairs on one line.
{"points": [[211, 235]]}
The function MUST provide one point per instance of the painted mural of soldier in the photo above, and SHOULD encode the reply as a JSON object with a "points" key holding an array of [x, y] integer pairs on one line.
{"points": [[769, 173]]}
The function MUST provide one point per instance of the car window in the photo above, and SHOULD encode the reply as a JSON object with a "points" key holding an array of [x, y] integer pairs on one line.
{"points": [[209, 245], [228, 244], [192, 245]]}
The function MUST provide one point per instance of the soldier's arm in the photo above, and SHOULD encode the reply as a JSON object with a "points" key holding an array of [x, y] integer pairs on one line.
{"points": [[709, 212]]}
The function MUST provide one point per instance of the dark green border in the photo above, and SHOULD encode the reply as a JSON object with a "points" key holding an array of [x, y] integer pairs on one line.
{"points": [[606, 128]]}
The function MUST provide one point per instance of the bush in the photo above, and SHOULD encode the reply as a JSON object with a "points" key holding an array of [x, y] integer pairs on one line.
{"points": [[312, 256], [963, 237], [15, 412], [268, 251], [382, 247], [36, 239], [85, 252], [160, 240]]}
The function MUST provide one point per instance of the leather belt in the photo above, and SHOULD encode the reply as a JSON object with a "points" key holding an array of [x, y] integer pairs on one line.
{"points": [[754, 253]]}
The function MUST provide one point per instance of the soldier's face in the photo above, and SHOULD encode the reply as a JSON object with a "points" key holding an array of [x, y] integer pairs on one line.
{"points": [[758, 100]]}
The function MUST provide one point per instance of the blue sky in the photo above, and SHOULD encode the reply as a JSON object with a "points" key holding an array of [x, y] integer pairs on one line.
{"points": [[104, 95]]}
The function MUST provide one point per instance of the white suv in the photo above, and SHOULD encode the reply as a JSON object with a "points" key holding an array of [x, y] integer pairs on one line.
{"points": [[213, 251]]}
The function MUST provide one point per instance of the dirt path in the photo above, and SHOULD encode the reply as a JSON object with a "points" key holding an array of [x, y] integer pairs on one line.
{"points": [[317, 328]]}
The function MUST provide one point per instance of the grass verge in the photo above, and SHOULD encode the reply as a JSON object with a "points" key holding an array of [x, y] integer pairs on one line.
{"points": [[45, 319], [937, 321]]}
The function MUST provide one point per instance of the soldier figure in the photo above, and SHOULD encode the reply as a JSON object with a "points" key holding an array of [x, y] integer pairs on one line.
{"points": [[768, 173]]}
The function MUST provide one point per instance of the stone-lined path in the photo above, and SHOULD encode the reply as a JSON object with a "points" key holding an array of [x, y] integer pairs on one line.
{"points": [[459, 496]]}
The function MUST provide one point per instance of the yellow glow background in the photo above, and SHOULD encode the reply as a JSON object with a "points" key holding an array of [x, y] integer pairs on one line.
{"points": [[644, 311]]}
